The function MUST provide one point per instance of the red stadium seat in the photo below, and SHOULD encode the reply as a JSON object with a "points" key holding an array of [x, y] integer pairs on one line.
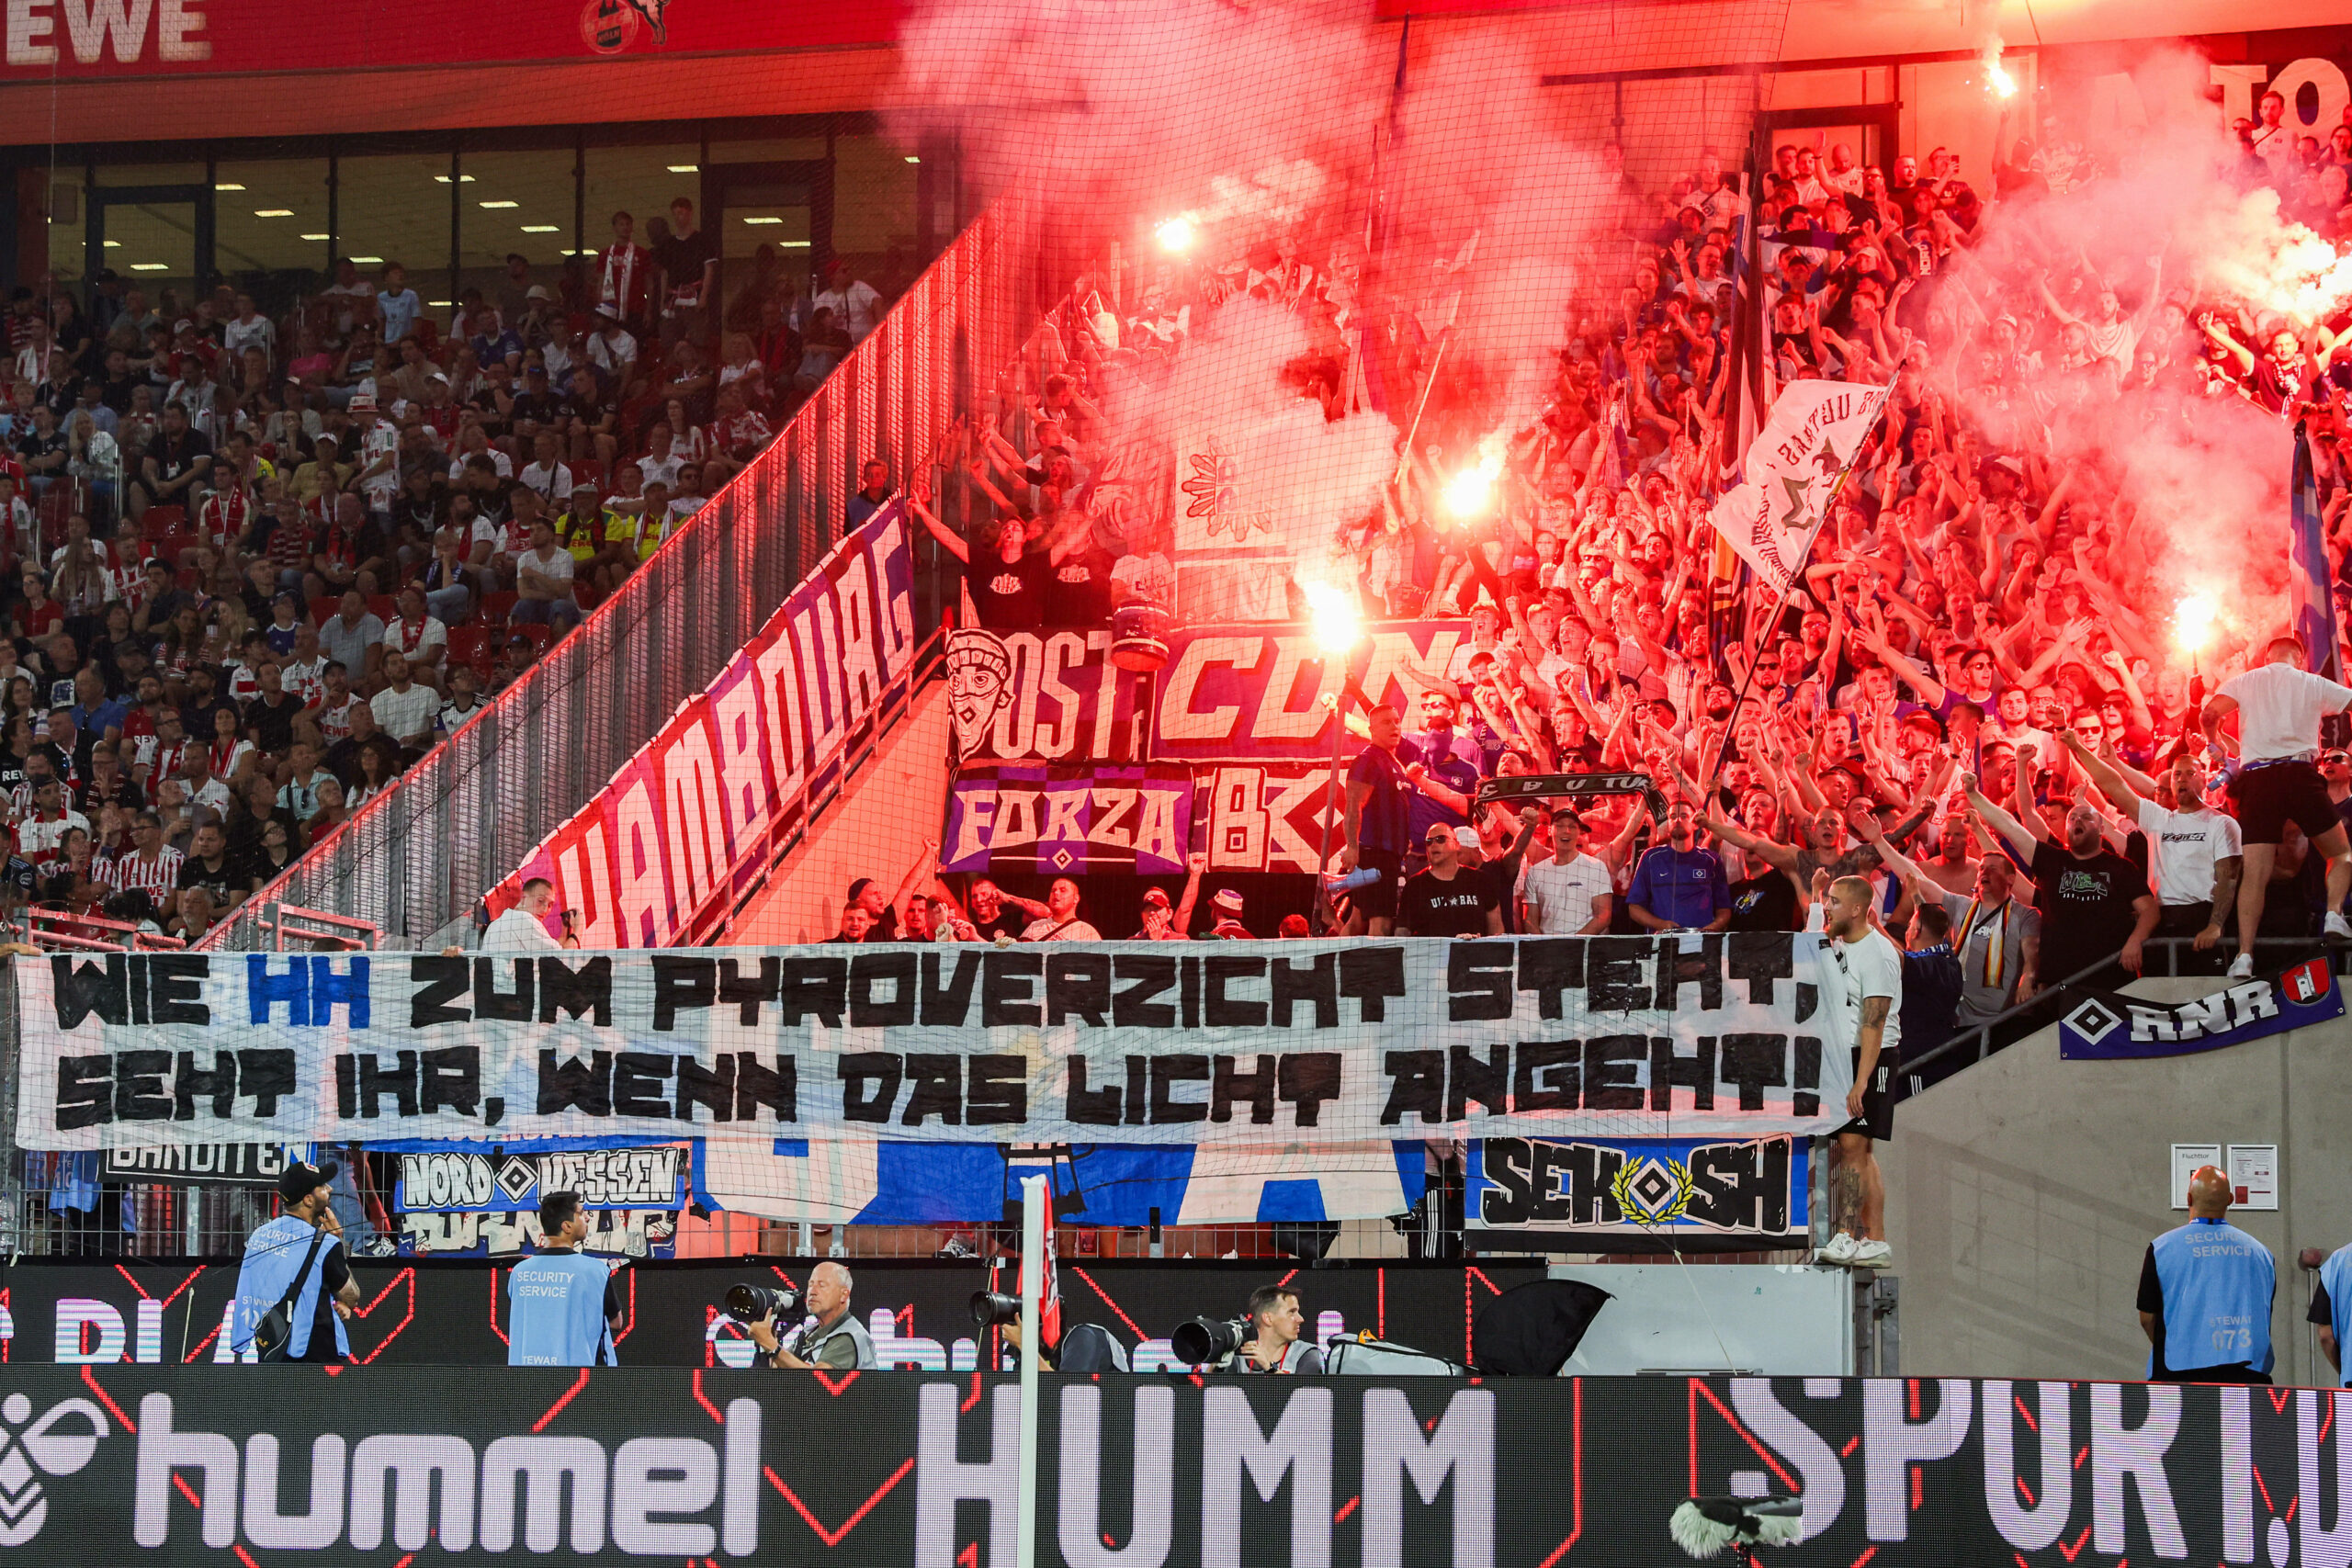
{"points": [[539, 634], [189, 579], [495, 608], [470, 645], [169, 546], [586, 596], [589, 471], [161, 520], [322, 606], [384, 607]]}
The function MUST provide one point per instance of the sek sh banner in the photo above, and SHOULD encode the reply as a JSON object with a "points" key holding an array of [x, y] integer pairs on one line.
{"points": [[104, 1467], [1675, 1191], [2112, 1026], [1814, 432], [687, 825], [1242, 1042]]}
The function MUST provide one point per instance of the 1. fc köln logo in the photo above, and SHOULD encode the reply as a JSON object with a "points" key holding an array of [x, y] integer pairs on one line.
{"points": [[2306, 982]]}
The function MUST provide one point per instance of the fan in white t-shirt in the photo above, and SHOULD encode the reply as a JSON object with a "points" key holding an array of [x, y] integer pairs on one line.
{"points": [[2280, 706], [1861, 993], [1570, 894]]}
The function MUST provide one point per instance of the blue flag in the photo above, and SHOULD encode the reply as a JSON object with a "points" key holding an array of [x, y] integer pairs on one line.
{"points": [[2307, 552]]}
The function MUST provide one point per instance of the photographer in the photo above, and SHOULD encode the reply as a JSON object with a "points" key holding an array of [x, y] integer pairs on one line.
{"points": [[1274, 1345], [833, 1338], [524, 928], [566, 1306]]}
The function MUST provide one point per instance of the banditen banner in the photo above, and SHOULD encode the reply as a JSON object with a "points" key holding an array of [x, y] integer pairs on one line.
{"points": [[115, 1465], [1793, 467], [1686, 1037], [688, 823]]}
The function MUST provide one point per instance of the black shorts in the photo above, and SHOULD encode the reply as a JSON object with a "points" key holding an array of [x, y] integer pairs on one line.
{"points": [[1378, 901], [2269, 797], [1877, 1120]]}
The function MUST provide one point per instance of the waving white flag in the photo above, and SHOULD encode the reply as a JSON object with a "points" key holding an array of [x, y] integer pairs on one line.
{"points": [[1793, 467]]}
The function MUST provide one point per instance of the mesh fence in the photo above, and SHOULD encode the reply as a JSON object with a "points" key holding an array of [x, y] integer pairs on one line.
{"points": [[415, 862]]}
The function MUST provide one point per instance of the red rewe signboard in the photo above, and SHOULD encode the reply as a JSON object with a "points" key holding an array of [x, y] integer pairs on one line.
{"points": [[96, 39]]}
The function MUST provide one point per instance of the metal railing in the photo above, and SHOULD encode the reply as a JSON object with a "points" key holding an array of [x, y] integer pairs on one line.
{"points": [[51, 929], [316, 928], [414, 861]]}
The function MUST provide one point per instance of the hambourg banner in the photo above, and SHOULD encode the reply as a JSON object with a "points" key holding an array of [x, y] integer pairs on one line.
{"points": [[688, 823], [1097, 1042], [99, 1467]]}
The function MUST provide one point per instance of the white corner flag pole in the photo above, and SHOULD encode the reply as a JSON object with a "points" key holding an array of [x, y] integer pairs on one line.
{"points": [[1032, 1291]]}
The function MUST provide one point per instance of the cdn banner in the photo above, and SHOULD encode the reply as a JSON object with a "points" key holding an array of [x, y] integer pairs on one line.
{"points": [[1683, 1036], [617, 1465]]}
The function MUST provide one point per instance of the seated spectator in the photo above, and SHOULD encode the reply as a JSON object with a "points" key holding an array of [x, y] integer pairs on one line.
{"points": [[543, 581]]}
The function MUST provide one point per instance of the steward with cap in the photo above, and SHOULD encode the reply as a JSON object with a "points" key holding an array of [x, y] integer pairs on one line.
{"points": [[1452, 897], [566, 1310], [297, 1260], [2205, 1295]]}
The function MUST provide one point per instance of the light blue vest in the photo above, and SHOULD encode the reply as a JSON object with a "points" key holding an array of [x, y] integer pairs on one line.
{"points": [[2336, 1275], [272, 1254], [2218, 1283], [559, 1316]]}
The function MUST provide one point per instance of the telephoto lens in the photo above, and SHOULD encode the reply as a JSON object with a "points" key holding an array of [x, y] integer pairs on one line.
{"points": [[992, 1308], [1206, 1339], [749, 1304]]}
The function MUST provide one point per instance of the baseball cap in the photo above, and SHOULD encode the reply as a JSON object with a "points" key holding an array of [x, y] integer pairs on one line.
{"points": [[537, 291], [301, 1181], [364, 403], [1154, 897], [1227, 901], [1466, 836]]}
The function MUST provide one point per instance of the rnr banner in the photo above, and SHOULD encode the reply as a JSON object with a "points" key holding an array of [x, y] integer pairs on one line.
{"points": [[1685, 1036], [103, 1467], [688, 823]]}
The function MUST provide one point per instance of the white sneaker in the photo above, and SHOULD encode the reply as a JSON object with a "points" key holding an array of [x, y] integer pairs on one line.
{"points": [[1840, 1251], [2338, 928], [2242, 966], [1873, 1254]]}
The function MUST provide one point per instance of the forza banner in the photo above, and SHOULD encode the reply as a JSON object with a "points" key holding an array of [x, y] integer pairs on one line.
{"points": [[2111, 1026], [1098, 1042], [1067, 821], [105, 1467], [1673, 1191]]}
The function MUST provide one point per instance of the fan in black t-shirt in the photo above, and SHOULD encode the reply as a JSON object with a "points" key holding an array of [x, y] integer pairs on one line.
{"points": [[1008, 585], [1449, 898]]}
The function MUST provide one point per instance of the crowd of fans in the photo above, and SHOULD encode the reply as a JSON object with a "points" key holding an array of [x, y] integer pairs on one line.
{"points": [[257, 565], [1976, 697]]}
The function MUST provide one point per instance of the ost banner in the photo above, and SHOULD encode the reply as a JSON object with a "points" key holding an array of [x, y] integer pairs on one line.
{"points": [[1673, 1190], [687, 824], [101, 1468], [1301, 1042]]}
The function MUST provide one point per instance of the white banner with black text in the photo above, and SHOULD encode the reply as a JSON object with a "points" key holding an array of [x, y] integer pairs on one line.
{"points": [[1098, 1042]]}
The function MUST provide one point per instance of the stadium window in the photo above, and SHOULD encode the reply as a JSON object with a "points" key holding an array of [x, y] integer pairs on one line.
{"points": [[637, 180], [874, 208], [518, 203], [269, 254], [392, 207]]}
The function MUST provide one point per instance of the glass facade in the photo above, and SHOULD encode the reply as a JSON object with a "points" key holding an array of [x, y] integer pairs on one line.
{"points": [[273, 218]]}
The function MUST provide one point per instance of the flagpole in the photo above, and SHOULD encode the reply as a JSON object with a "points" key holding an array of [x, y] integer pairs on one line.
{"points": [[1033, 1347]]}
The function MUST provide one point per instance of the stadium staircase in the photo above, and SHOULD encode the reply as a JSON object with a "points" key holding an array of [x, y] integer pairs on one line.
{"points": [[415, 862]]}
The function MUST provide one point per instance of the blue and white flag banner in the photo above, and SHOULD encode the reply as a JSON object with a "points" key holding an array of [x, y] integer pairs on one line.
{"points": [[2113, 1026], [1193, 1044], [1745, 1189]]}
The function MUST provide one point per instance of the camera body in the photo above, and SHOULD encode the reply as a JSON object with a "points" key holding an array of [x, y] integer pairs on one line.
{"points": [[1202, 1340], [753, 1304]]}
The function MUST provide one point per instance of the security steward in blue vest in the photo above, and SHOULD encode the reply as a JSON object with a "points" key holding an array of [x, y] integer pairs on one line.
{"points": [[2332, 1310], [2206, 1293], [566, 1306], [301, 1253]]}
